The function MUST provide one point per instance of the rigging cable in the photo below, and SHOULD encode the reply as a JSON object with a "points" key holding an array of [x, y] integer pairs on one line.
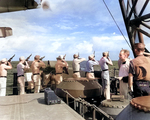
{"points": [[116, 24]]}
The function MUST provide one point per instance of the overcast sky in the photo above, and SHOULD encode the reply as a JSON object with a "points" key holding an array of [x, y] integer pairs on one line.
{"points": [[70, 26]]}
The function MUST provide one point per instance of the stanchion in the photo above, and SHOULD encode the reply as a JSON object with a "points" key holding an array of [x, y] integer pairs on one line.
{"points": [[15, 89]]}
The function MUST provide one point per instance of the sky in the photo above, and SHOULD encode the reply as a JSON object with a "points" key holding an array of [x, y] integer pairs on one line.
{"points": [[68, 27]]}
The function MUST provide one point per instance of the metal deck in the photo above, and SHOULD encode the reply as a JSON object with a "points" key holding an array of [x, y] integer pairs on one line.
{"points": [[33, 107]]}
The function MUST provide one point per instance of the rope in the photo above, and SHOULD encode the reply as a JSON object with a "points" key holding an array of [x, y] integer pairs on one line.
{"points": [[117, 24]]}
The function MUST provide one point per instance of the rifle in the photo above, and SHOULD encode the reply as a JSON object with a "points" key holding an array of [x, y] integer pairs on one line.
{"points": [[64, 56], [78, 55], [42, 58], [11, 58], [28, 57], [49, 63], [108, 55], [94, 54]]}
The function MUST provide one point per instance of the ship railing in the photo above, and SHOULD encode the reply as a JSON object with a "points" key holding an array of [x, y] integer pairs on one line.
{"points": [[83, 106]]}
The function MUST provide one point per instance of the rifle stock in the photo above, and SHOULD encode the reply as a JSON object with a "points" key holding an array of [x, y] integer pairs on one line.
{"points": [[65, 70]]}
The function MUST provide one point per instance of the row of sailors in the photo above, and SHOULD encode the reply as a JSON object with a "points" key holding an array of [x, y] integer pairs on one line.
{"points": [[37, 64], [21, 67], [104, 62], [134, 74], [61, 63], [137, 71]]}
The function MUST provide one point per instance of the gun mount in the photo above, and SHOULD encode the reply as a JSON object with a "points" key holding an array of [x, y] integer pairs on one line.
{"points": [[79, 87]]}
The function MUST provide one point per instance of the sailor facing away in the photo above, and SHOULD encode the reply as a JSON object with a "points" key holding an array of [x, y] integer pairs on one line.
{"points": [[5, 65], [60, 64], [104, 61], [76, 65], [90, 67]]}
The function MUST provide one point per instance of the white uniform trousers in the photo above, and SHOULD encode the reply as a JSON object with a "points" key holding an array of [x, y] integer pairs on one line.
{"points": [[22, 84], [76, 75], [124, 89], [3, 86], [58, 78], [106, 84], [37, 83], [90, 75]]}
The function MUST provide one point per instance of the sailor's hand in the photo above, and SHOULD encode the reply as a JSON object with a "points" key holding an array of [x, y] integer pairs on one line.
{"points": [[130, 92], [93, 59], [108, 58], [130, 89]]}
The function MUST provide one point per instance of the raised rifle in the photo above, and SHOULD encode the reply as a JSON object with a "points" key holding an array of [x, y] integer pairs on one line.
{"points": [[64, 56], [49, 63], [94, 54], [42, 58], [78, 55], [11, 58], [28, 57], [108, 55]]}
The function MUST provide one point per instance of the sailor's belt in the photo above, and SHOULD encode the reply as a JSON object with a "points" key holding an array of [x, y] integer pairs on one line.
{"points": [[4, 76], [36, 74], [75, 71], [58, 73], [91, 72], [105, 70], [20, 75]]}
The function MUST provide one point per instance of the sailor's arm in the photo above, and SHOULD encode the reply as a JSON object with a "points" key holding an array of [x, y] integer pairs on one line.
{"points": [[109, 61], [42, 64], [9, 66], [80, 60], [65, 64], [130, 82]]}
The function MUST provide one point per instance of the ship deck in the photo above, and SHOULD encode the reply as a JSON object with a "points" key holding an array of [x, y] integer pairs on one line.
{"points": [[33, 107]]}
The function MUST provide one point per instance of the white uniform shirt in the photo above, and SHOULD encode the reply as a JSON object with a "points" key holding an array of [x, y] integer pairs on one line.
{"points": [[103, 63], [90, 64], [20, 69], [76, 63], [124, 69]]}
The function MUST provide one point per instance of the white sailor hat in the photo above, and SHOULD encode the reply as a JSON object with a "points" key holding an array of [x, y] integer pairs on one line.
{"points": [[105, 53], [4, 60], [75, 55], [60, 57], [22, 58], [91, 56]]}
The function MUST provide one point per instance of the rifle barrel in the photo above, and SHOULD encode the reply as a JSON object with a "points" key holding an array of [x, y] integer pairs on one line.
{"points": [[28, 57], [11, 58]]}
